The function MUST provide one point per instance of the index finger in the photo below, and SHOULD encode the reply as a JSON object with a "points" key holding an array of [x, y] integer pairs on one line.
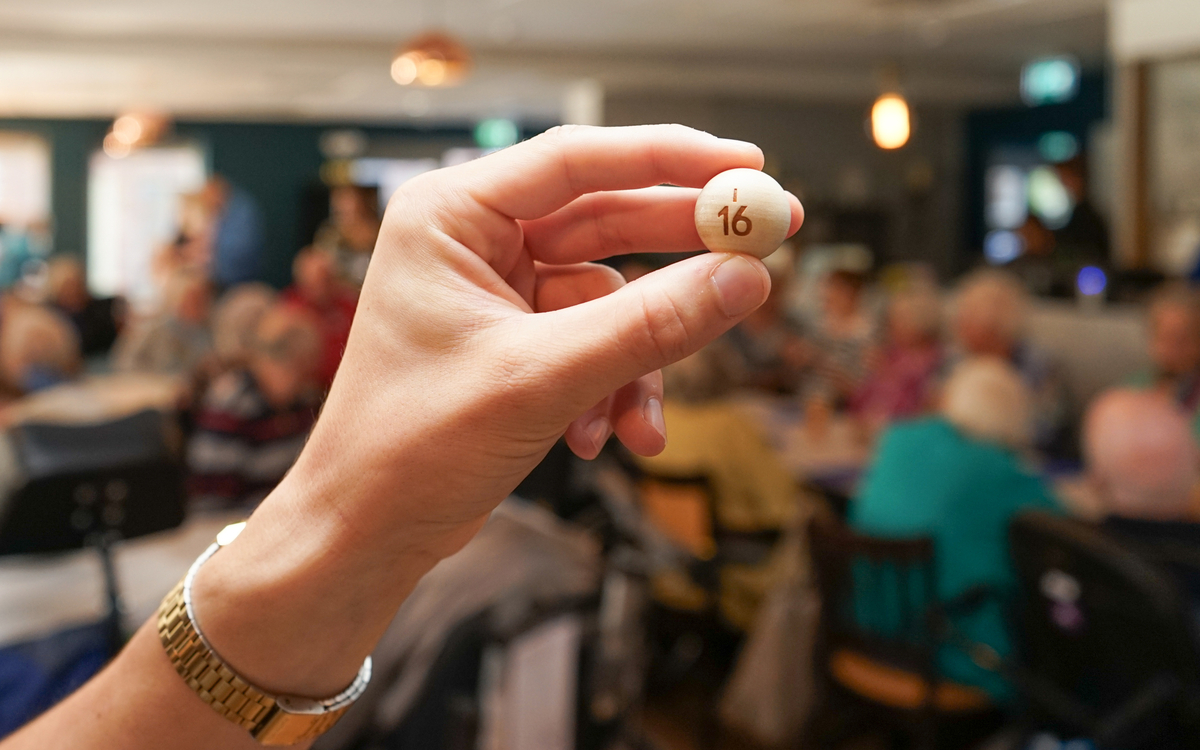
{"points": [[541, 175]]}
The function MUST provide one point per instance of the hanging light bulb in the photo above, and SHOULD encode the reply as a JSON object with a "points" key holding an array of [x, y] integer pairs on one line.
{"points": [[135, 130], [890, 122], [433, 59]]}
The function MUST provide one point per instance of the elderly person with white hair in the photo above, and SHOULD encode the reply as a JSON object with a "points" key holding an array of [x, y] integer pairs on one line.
{"points": [[989, 321], [1144, 466], [176, 341], [959, 478]]}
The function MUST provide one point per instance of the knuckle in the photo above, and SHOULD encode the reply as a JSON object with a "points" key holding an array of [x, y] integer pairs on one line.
{"points": [[665, 334], [609, 232], [559, 140], [560, 133]]}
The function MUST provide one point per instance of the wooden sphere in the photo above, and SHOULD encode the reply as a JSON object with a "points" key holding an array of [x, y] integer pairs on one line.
{"points": [[743, 211]]}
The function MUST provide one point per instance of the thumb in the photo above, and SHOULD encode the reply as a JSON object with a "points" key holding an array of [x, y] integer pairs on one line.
{"points": [[654, 321]]}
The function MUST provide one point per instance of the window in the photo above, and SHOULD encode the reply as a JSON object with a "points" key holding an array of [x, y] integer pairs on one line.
{"points": [[133, 210], [24, 179]]}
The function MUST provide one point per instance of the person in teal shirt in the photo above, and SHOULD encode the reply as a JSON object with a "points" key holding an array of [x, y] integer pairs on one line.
{"points": [[959, 479]]}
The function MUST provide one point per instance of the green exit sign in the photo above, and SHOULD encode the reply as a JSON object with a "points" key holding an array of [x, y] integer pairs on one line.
{"points": [[1050, 80]]}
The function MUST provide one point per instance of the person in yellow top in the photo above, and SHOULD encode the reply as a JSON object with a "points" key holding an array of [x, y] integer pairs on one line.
{"points": [[752, 492]]}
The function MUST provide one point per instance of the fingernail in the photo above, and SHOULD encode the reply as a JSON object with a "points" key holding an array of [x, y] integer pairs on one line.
{"points": [[653, 414], [597, 431], [739, 286]]}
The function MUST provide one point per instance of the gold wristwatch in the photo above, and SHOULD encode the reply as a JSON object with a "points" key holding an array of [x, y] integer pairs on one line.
{"points": [[270, 719]]}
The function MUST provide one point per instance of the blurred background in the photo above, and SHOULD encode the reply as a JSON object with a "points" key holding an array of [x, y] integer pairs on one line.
{"points": [[940, 491]]}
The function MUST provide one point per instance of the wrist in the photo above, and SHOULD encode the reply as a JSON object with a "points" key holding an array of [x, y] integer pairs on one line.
{"points": [[297, 602]]}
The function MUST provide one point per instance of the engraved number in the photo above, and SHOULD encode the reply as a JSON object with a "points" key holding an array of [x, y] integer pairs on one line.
{"points": [[739, 221]]}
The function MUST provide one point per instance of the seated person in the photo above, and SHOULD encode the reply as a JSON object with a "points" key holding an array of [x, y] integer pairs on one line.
{"points": [[959, 478], [192, 247], [252, 422], [39, 348], [1142, 463], [989, 320], [317, 289], [177, 340], [901, 384], [1173, 328], [96, 321], [766, 347], [351, 231], [841, 336], [235, 321], [753, 491]]}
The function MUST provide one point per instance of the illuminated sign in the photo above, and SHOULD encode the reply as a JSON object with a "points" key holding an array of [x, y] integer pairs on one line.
{"points": [[1050, 80]]}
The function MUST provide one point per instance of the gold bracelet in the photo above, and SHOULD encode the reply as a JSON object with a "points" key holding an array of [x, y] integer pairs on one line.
{"points": [[270, 719]]}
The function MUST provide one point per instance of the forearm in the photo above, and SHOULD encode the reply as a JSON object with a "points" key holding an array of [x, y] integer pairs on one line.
{"points": [[137, 702]]}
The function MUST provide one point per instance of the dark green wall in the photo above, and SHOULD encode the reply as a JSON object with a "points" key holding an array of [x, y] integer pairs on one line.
{"points": [[275, 162]]}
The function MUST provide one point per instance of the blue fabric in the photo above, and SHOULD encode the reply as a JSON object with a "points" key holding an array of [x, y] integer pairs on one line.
{"points": [[929, 480], [238, 245], [37, 674], [40, 377]]}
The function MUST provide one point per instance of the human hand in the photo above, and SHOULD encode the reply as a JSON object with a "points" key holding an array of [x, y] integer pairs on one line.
{"points": [[483, 334]]}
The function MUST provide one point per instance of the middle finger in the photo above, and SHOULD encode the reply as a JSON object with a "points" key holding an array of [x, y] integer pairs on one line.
{"points": [[619, 222]]}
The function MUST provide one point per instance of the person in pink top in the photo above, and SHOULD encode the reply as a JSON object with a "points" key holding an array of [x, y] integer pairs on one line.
{"points": [[901, 382]]}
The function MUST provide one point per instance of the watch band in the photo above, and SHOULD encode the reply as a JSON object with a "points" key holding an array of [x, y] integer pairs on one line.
{"points": [[270, 719]]}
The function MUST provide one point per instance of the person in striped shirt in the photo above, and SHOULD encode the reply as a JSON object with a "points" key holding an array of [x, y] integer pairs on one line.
{"points": [[252, 421]]}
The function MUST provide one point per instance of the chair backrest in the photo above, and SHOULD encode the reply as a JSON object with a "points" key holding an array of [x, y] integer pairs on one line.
{"points": [[1102, 631], [876, 595], [682, 508], [121, 479]]}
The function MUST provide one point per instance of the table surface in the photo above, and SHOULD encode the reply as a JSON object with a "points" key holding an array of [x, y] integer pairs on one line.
{"points": [[96, 398], [838, 450]]}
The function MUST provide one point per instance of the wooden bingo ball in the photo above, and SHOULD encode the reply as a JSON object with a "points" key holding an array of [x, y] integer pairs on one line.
{"points": [[743, 211]]}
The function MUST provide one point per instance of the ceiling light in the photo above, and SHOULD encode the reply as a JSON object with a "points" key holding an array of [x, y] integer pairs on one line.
{"points": [[134, 130], [128, 129], [404, 69], [115, 148], [890, 123], [432, 59]]}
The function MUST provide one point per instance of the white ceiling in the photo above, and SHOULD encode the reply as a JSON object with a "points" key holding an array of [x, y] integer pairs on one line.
{"points": [[328, 58]]}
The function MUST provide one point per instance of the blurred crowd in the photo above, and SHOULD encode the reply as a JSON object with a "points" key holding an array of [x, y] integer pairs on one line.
{"points": [[940, 418], [244, 365], [903, 408]]}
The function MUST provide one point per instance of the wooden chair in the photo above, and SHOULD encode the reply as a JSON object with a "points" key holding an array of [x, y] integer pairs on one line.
{"points": [[881, 629], [1108, 644]]}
